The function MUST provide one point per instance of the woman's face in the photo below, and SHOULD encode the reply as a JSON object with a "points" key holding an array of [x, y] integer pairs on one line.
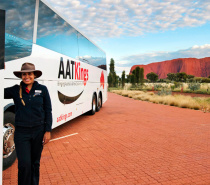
{"points": [[28, 78]]}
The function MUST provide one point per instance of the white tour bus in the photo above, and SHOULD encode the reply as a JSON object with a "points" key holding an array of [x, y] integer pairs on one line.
{"points": [[73, 67]]}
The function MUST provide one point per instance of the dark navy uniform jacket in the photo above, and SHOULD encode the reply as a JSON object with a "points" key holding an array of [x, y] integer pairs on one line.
{"points": [[37, 109]]}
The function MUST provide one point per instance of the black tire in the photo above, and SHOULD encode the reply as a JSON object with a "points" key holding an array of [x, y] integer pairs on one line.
{"points": [[99, 103], [9, 117], [93, 110]]}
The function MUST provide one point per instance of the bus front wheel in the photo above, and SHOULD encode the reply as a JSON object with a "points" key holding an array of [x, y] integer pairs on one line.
{"points": [[9, 153]]}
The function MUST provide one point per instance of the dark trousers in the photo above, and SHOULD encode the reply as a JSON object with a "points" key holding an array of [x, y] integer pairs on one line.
{"points": [[28, 143]]}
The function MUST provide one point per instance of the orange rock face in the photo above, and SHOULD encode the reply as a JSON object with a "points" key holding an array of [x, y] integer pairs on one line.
{"points": [[191, 66]]}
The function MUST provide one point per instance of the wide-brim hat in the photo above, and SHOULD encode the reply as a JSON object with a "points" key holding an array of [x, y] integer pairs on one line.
{"points": [[26, 68]]}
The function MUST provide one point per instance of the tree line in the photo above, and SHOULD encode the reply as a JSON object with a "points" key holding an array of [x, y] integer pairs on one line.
{"points": [[137, 77]]}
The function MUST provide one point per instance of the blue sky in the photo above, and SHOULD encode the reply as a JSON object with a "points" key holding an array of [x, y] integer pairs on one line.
{"points": [[142, 31]]}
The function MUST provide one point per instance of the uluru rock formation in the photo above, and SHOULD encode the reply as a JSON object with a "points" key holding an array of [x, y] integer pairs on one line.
{"points": [[191, 66]]}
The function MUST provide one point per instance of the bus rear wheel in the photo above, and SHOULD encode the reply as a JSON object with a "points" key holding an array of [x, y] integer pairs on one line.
{"points": [[93, 110], [9, 153]]}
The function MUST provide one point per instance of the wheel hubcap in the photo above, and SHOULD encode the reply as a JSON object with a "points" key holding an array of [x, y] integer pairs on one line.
{"points": [[8, 140]]}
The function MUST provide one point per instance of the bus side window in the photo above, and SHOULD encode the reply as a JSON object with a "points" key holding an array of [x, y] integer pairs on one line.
{"points": [[18, 28], [55, 33], [2, 38]]}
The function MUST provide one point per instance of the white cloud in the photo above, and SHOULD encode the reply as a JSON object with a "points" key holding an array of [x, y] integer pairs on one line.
{"points": [[119, 70], [193, 52], [132, 17], [124, 62]]}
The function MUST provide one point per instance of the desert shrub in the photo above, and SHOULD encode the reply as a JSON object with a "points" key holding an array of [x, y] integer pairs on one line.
{"points": [[202, 79], [190, 80], [197, 79], [173, 87], [146, 80], [110, 89], [205, 80], [157, 86], [194, 86], [208, 100], [150, 93], [163, 80], [183, 104], [124, 93], [117, 92], [164, 92], [172, 101], [134, 93], [201, 91], [177, 84]]}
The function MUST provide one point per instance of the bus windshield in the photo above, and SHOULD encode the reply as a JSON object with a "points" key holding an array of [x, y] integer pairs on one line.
{"points": [[19, 28]]}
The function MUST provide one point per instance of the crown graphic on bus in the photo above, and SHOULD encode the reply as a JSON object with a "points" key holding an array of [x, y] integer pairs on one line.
{"points": [[102, 80], [72, 70]]}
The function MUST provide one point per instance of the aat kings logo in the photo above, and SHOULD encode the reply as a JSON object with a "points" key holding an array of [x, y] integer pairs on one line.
{"points": [[73, 71], [102, 80]]}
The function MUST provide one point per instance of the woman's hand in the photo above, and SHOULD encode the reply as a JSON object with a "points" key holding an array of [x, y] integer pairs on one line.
{"points": [[46, 138]]}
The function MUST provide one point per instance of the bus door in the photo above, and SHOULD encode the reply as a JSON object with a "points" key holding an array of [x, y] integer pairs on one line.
{"points": [[2, 48]]}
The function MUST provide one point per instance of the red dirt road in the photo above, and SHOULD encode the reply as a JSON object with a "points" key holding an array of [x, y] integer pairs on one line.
{"points": [[128, 142]]}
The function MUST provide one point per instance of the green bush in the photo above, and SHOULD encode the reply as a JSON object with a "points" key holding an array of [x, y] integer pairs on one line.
{"points": [[177, 84], [146, 80], [194, 86], [173, 87], [202, 79], [157, 86], [199, 91], [164, 92], [206, 80]]}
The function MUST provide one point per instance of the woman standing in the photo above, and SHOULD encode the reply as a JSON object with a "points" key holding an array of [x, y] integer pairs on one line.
{"points": [[33, 121]]}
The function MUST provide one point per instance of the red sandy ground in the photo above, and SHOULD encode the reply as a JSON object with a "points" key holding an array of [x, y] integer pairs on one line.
{"points": [[128, 142]]}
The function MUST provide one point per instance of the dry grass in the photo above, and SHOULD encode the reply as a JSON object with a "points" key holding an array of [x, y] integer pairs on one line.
{"points": [[177, 100], [204, 86]]}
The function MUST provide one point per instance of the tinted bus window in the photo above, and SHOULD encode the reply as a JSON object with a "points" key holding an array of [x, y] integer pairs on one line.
{"points": [[19, 28], [2, 38], [91, 54], [56, 34]]}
